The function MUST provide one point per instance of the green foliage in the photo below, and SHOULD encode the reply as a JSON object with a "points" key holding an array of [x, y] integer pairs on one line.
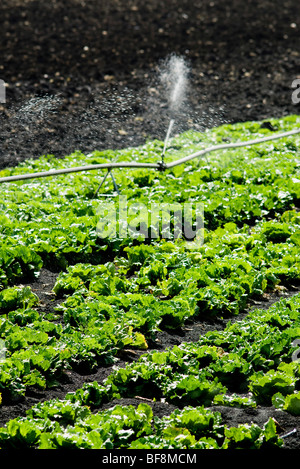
{"points": [[17, 298], [118, 294], [252, 437], [58, 425], [264, 386]]}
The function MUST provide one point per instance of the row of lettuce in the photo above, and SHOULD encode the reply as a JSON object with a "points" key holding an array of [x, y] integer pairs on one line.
{"points": [[109, 307], [52, 222], [250, 362]]}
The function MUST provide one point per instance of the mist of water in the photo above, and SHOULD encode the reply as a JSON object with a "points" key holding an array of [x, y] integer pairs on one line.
{"points": [[174, 77], [37, 109]]}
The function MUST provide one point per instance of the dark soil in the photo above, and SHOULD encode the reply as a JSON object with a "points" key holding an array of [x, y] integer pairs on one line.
{"points": [[83, 75]]}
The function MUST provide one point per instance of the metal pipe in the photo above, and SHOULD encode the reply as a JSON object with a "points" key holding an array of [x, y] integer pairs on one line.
{"points": [[289, 433], [224, 146], [158, 166], [55, 172], [102, 182]]}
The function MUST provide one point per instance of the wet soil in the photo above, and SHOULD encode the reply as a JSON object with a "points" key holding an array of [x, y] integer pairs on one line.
{"points": [[83, 75]]}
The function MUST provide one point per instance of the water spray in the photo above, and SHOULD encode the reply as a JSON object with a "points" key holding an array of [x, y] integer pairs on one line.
{"points": [[174, 78]]}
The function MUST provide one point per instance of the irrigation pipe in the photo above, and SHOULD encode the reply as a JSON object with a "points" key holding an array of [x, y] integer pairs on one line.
{"points": [[55, 172], [161, 166], [229, 145]]}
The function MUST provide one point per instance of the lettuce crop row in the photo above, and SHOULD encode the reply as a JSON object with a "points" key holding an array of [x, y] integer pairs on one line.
{"points": [[38, 350], [124, 303], [233, 360], [248, 363], [73, 427], [53, 222], [253, 356], [219, 279]]}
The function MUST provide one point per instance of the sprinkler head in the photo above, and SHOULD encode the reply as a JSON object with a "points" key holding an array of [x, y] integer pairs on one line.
{"points": [[161, 165]]}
